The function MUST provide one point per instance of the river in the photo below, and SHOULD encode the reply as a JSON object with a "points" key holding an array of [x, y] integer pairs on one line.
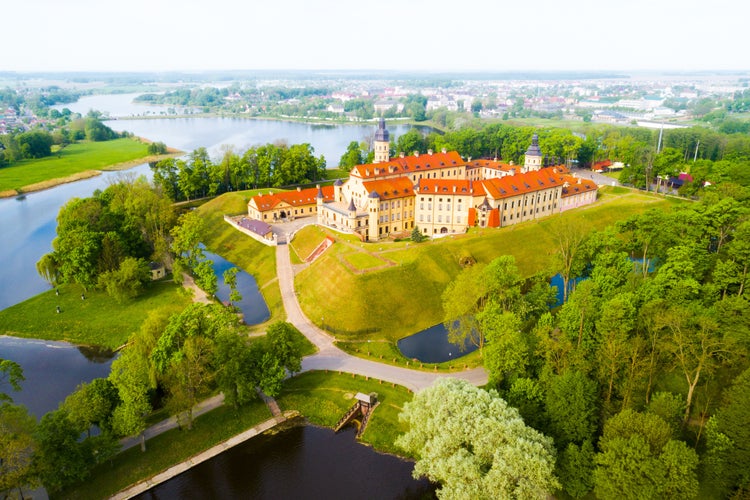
{"points": [[28, 227]]}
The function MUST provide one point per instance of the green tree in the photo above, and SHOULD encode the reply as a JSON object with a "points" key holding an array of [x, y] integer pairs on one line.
{"points": [[475, 445], [157, 148], [507, 351], [17, 447], [352, 157], [35, 143], [127, 282], [11, 373], [417, 236], [638, 459], [92, 404], [130, 376], [727, 438], [281, 339], [569, 236], [576, 469], [230, 279], [61, 459], [205, 277], [571, 405]]}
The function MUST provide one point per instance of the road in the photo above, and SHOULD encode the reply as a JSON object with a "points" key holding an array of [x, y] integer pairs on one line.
{"points": [[330, 357]]}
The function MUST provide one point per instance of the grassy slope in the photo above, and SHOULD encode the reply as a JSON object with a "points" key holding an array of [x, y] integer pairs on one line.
{"points": [[306, 241], [250, 255], [98, 320], [403, 299], [73, 159], [323, 398], [167, 449]]}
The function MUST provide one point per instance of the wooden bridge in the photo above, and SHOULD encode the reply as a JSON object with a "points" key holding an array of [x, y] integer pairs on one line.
{"points": [[363, 409]]}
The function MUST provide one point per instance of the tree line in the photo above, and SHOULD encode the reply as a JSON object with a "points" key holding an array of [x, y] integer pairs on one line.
{"points": [[171, 362], [269, 165], [640, 378]]}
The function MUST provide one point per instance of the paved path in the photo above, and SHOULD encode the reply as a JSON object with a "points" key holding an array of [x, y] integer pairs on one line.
{"points": [[330, 357], [170, 423], [168, 474]]}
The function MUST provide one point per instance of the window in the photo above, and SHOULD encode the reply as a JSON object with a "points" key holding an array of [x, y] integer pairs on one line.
{"points": [[421, 218], [421, 206], [448, 219], [440, 206], [429, 218], [429, 206], [458, 219], [440, 218]]}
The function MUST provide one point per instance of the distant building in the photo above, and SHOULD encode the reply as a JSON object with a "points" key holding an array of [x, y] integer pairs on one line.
{"points": [[287, 205]]}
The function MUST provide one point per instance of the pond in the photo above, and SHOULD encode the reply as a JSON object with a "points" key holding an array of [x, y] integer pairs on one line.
{"points": [[432, 346], [52, 370], [252, 305], [302, 462]]}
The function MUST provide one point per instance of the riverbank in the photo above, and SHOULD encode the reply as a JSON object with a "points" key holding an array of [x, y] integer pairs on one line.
{"points": [[76, 162], [175, 470]]}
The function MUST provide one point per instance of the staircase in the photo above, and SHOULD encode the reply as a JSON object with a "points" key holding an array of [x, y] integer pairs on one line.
{"points": [[366, 419], [348, 416]]}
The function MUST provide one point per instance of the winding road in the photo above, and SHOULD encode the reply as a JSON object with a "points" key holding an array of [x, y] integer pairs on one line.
{"points": [[330, 357]]}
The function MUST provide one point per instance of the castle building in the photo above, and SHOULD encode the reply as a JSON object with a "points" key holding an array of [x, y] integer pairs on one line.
{"points": [[439, 193]]}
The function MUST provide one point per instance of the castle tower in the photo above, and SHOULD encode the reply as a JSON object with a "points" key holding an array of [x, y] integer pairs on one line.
{"points": [[533, 158], [382, 143], [373, 207]]}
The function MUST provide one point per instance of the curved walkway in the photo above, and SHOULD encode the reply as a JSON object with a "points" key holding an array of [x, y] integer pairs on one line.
{"points": [[330, 357]]}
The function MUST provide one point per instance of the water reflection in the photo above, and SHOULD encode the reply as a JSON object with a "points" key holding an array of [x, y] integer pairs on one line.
{"points": [[302, 462], [432, 346], [52, 370]]}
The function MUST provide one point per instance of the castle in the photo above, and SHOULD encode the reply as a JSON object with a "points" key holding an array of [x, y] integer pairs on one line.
{"points": [[439, 193]]}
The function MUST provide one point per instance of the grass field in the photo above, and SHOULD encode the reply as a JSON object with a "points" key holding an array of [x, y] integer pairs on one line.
{"points": [[323, 398], [252, 256], [305, 241], [166, 450], [400, 300], [74, 159], [98, 320]]}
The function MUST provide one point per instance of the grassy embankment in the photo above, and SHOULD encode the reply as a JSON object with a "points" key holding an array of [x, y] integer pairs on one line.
{"points": [[76, 161], [99, 320], [166, 450], [320, 397], [252, 256], [396, 290]]}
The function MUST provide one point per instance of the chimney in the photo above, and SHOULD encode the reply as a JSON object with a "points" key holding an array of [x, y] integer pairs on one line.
{"points": [[510, 163], [429, 152], [367, 172], [416, 153], [444, 150], [299, 188], [580, 180], [401, 154], [454, 188], [468, 158]]}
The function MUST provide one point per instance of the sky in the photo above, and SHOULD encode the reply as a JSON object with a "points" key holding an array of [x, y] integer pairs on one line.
{"points": [[419, 35]]}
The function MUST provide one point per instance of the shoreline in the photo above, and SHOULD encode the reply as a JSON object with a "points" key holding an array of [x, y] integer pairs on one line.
{"points": [[87, 174], [175, 470]]}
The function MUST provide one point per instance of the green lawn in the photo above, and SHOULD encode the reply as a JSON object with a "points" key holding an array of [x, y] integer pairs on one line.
{"points": [[364, 260], [168, 449], [73, 159], [324, 397], [400, 300], [98, 320], [305, 241]]}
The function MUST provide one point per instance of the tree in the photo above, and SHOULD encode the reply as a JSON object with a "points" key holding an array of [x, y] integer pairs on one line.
{"points": [[281, 338], [236, 374], [727, 438], [205, 277], [92, 404], [507, 351], [130, 376], [352, 156], [35, 143], [17, 447], [576, 469], [417, 236], [157, 148], [230, 279], [475, 445], [127, 282], [12, 374], [568, 236], [571, 405], [463, 299], [61, 459], [639, 459]]}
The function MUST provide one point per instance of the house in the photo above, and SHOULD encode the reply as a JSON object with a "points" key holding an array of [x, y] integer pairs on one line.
{"points": [[287, 205]]}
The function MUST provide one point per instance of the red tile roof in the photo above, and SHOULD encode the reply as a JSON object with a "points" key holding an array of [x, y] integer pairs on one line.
{"points": [[387, 189], [576, 185], [445, 186], [295, 198], [409, 164], [514, 185], [494, 164]]}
